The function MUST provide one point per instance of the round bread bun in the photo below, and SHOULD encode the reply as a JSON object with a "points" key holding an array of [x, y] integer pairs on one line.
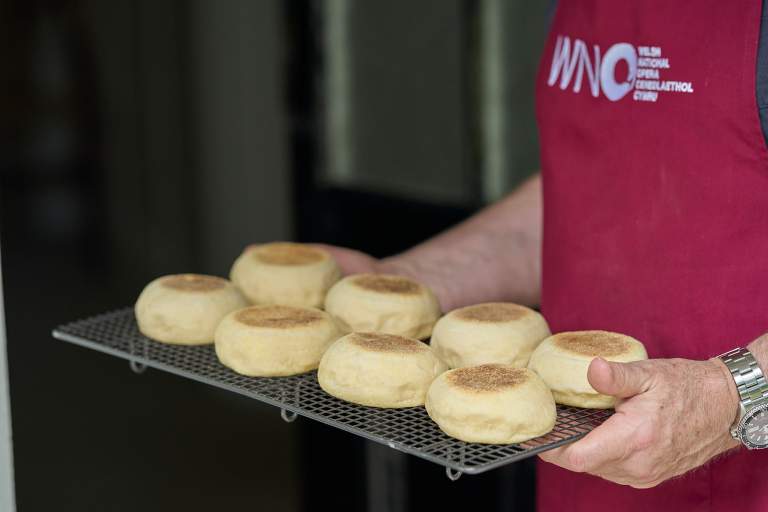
{"points": [[562, 362], [492, 404], [285, 273], [274, 341], [379, 370], [497, 332], [185, 309], [383, 303]]}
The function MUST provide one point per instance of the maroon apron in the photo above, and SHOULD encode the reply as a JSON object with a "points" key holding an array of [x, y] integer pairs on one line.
{"points": [[655, 179]]}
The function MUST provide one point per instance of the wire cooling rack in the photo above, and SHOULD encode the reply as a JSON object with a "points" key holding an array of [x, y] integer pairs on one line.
{"points": [[409, 430]]}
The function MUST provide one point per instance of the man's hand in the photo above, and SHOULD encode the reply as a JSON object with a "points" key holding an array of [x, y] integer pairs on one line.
{"points": [[352, 261], [674, 415]]}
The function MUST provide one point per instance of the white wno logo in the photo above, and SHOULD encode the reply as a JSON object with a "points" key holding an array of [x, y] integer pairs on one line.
{"points": [[571, 62]]}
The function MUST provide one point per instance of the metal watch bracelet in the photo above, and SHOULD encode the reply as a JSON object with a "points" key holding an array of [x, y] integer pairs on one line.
{"points": [[747, 374], [749, 379]]}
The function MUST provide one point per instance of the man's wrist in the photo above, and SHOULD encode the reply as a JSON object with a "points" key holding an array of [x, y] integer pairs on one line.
{"points": [[731, 405]]}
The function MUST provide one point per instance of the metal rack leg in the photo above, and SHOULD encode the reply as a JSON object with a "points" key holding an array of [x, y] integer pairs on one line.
{"points": [[136, 367], [288, 416], [452, 474]]}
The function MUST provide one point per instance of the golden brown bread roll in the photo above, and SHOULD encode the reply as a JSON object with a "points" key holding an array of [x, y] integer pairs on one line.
{"points": [[263, 341], [285, 273], [497, 332], [562, 362], [379, 370], [185, 308], [491, 403], [383, 303]]}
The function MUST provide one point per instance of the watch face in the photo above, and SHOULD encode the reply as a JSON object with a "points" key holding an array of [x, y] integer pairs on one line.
{"points": [[755, 428]]}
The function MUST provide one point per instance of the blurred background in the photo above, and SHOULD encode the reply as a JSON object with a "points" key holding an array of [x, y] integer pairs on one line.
{"points": [[146, 137]]}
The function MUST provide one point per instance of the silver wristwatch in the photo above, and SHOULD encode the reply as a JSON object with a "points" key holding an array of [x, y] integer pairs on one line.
{"points": [[751, 425]]}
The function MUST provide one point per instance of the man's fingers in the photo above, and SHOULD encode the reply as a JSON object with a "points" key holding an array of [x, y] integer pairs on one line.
{"points": [[609, 442], [621, 380], [350, 260]]}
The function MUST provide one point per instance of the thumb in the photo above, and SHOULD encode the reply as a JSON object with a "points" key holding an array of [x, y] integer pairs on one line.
{"points": [[621, 380]]}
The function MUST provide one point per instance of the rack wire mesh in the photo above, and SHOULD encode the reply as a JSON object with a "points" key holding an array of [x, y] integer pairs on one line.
{"points": [[409, 430]]}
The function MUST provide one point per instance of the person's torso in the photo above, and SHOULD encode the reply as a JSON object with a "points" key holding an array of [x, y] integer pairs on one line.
{"points": [[655, 179]]}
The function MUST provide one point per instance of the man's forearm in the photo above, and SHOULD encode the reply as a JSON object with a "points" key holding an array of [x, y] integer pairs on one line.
{"points": [[494, 255]]}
